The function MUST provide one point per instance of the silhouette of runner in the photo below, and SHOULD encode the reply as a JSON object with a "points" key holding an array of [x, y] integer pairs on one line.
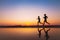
{"points": [[46, 33], [39, 31], [39, 20], [45, 19]]}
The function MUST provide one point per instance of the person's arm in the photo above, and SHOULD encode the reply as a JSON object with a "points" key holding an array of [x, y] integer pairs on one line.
{"points": [[43, 17], [47, 16]]}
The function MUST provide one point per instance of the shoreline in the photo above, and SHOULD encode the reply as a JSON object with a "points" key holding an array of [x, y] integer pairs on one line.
{"points": [[19, 26]]}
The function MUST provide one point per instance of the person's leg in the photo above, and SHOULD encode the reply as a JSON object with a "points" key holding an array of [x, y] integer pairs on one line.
{"points": [[47, 23], [44, 23], [38, 24], [41, 23]]}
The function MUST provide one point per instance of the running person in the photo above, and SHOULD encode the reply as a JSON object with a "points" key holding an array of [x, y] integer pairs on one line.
{"points": [[39, 20], [45, 19]]}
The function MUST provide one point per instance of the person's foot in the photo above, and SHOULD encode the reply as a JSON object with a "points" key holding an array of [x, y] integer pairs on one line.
{"points": [[49, 23]]}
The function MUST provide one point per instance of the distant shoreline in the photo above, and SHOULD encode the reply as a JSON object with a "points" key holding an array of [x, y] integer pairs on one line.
{"points": [[34, 26]]}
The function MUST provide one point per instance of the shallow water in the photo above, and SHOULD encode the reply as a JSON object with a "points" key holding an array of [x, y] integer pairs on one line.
{"points": [[29, 34]]}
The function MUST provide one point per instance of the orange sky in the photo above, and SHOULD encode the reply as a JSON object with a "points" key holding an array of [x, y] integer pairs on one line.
{"points": [[26, 13]]}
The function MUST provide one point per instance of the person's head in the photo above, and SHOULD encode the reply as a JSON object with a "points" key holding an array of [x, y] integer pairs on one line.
{"points": [[38, 16], [44, 14]]}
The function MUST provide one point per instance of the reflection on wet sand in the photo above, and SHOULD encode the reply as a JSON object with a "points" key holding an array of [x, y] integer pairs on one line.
{"points": [[29, 34], [39, 31], [46, 34], [45, 31]]}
